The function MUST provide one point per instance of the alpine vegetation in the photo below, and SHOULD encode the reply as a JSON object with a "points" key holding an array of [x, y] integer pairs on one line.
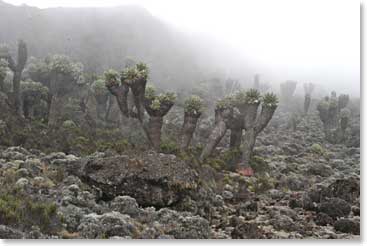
{"points": [[119, 123]]}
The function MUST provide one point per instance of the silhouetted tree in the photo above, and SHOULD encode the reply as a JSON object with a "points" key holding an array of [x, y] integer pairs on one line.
{"points": [[193, 111], [17, 69]]}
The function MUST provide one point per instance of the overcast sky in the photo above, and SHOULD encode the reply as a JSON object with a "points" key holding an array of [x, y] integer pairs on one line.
{"points": [[309, 40]]}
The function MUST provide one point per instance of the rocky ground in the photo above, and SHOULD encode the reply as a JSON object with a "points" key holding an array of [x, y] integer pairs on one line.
{"points": [[303, 188]]}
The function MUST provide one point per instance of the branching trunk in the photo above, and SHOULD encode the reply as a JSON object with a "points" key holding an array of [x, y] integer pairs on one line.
{"points": [[235, 138], [249, 112], [264, 118], [216, 135], [248, 146], [138, 90], [234, 145], [251, 134], [121, 92], [154, 127], [188, 129], [236, 128]]}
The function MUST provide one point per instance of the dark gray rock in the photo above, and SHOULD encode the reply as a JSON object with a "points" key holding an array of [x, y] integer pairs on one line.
{"points": [[347, 226], [152, 179], [323, 219], [335, 208], [125, 205]]}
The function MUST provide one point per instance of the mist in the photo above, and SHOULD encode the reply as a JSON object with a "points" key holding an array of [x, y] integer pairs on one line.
{"points": [[191, 119], [305, 41]]}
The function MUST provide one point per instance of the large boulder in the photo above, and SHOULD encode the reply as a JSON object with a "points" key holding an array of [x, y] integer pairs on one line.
{"points": [[152, 179]]}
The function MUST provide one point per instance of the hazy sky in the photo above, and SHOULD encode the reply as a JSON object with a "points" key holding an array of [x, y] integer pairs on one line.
{"points": [[311, 40]]}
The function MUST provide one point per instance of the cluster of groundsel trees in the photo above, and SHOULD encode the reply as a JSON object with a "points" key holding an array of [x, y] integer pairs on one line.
{"points": [[335, 116], [58, 77], [238, 112]]}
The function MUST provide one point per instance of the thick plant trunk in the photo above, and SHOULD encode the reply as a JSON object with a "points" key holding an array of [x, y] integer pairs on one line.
{"points": [[139, 107], [235, 144], [138, 90], [122, 103], [235, 138], [154, 130], [188, 130], [217, 134], [248, 146], [236, 128], [251, 134], [16, 92], [120, 92]]}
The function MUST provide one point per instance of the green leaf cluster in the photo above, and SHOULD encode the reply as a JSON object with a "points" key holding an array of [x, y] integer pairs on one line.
{"points": [[139, 71], [270, 100], [111, 78], [194, 104]]}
